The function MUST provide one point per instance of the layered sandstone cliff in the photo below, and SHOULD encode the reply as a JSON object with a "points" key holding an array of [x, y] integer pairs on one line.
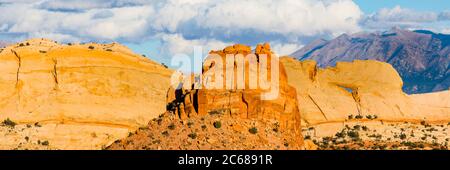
{"points": [[77, 96]]}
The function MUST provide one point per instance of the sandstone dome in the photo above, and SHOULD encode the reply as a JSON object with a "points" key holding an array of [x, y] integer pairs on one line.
{"points": [[77, 96]]}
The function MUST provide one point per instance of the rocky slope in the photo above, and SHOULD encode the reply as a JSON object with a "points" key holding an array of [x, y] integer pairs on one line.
{"points": [[209, 132], [76, 96], [421, 57]]}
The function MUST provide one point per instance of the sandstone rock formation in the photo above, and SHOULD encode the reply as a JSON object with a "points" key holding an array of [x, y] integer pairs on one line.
{"points": [[240, 103], [367, 89], [82, 96]]}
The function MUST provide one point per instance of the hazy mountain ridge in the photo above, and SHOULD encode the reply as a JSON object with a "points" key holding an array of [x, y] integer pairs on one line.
{"points": [[421, 57], [3, 44]]}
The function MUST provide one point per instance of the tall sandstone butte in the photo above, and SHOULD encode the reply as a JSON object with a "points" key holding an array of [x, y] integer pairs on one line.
{"points": [[83, 96], [366, 88], [240, 103]]}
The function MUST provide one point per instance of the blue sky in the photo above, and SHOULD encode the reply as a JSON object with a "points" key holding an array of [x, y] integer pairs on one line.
{"points": [[162, 28], [370, 6]]}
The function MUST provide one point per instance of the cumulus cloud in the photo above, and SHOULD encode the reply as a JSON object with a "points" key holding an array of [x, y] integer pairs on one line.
{"points": [[403, 17], [175, 44], [283, 49], [195, 21]]}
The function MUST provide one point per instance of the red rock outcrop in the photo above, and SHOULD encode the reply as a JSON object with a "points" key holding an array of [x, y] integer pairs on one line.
{"points": [[244, 103]]}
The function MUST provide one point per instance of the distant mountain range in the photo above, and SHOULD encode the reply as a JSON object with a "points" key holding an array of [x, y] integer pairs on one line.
{"points": [[3, 44], [421, 57]]}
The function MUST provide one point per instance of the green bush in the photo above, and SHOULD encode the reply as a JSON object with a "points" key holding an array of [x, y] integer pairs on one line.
{"points": [[171, 126], [193, 135], [45, 143], [165, 133], [217, 124], [9, 122], [253, 130]]}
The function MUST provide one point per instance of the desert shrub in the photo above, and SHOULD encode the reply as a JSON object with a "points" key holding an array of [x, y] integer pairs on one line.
{"points": [[45, 143], [91, 47], [253, 130], [340, 134], [165, 133], [37, 124], [171, 126], [350, 117], [357, 127], [358, 117], [217, 124], [365, 128], [193, 135], [276, 127], [353, 134], [190, 124], [109, 50], [8, 122], [402, 136], [203, 126]]}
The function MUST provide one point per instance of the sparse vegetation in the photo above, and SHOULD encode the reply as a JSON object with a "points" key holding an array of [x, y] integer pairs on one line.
{"points": [[171, 126], [217, 124], [91, 47], [8, 122], [193, 135], [253, 130], [190, 124], [45, 143], [37, 124], [402, 136]]}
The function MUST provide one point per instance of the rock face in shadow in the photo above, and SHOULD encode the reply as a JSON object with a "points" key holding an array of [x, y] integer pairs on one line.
{"points": [[83, 96], [422, 58], [367, 89], [240, 103]]}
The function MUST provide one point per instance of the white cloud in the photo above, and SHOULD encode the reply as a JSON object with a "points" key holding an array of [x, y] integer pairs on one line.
{"points": [[403, 17], [283, 49], [176, 44], [181, 24]]}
